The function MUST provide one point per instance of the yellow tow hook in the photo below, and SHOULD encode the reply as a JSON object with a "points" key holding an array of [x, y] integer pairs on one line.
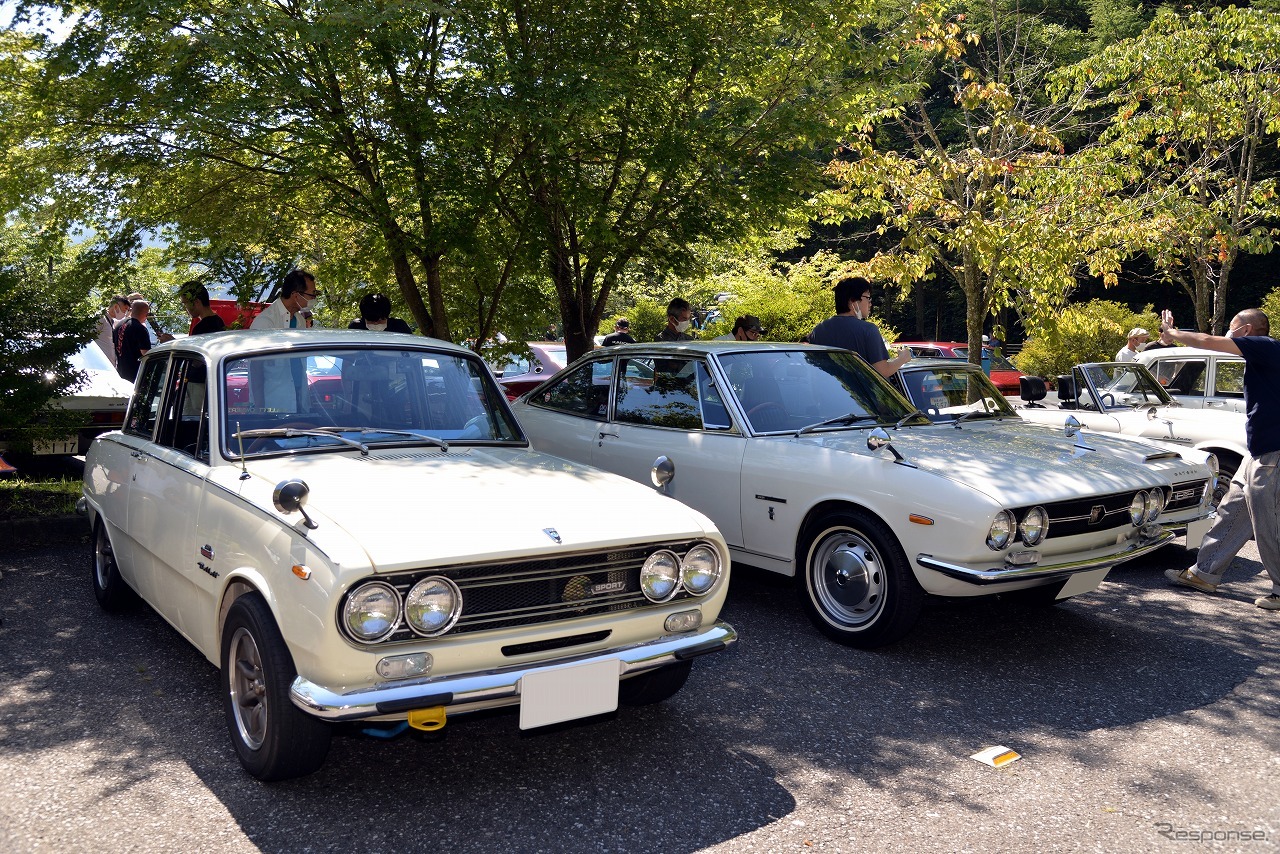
{"points": [[427, 720]]}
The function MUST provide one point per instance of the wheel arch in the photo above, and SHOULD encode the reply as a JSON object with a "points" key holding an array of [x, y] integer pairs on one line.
{"points": [[240, 584], [833, 505]]}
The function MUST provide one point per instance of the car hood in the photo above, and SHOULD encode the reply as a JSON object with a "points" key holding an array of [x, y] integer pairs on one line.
{"points": [[100, 390], [422, 507], [1016, 463]]}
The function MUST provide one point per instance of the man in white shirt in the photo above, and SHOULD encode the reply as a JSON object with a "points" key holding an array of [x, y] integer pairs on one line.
{"points": [[289, 310], [117, 311], [1137, 337]]}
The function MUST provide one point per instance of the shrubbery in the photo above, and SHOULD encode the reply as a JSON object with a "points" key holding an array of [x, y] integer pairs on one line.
{"points": [[1089, 332]]}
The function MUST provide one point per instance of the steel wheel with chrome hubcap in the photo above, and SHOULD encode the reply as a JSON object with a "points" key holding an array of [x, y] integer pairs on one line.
{"points": [[856, 584], [274, 739], [112, 592]]}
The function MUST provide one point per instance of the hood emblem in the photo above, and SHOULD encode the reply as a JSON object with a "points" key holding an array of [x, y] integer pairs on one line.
{"points": [[1096, 514], [553, 534]]}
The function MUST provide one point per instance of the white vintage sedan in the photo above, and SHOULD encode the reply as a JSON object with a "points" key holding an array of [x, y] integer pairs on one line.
{"points": [[1196, 378], [352, 527], [1123, 397], [811, 465]]}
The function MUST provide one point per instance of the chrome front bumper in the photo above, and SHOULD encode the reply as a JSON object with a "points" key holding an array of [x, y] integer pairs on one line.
{"points": [[470, 692], [1002, 574]]}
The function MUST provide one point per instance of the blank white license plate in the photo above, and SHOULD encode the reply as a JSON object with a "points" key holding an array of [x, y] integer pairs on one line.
{"points": [[568, 693], [58, 447], [1196, 531], [1082, 582]]}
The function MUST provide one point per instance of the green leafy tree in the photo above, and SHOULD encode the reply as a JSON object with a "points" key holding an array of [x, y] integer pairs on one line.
{"points": [[1194, 101]]}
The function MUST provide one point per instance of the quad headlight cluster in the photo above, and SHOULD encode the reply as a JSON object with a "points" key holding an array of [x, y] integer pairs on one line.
{"points": [[1032, 530], [664, 573], [374, 610], [1146, 507]]}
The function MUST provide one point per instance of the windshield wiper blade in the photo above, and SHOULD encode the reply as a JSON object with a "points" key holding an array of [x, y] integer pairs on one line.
{"points": [[408, 434], [851, 418], [904, 419], [290, 432]]}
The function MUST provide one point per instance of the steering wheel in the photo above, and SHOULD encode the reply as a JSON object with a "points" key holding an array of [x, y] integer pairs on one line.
{"points": [[261, 442], [1108, 396], [775, 410]]}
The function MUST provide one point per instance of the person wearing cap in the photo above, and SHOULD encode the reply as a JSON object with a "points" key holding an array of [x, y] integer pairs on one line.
{"points": [[375, 316], [621, 334], [1137, 337], [745, 328]]}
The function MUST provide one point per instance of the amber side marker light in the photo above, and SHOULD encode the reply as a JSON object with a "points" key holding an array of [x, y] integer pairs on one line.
{"points": [[302, 572], [920, 520]]}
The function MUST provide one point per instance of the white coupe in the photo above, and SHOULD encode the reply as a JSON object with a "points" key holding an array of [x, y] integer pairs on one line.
{"points": [[352, 527], [811, 465]]}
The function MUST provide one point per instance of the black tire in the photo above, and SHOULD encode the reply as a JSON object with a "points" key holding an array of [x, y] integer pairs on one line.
{"points": [[654, 686], [855, 581], [274, 739], [112, 592]]}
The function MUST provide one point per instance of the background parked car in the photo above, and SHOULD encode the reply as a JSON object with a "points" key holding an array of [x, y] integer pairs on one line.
{"points": [[518, 373], [1001, 370], [1200, 379]]}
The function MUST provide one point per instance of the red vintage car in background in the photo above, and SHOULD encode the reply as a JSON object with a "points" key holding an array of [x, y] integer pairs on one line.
{"points": [[1001, 370], [233, 314]]}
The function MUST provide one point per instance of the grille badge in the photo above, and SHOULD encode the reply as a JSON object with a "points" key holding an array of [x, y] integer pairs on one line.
{"points": [[1097, 514], [553, 534]]}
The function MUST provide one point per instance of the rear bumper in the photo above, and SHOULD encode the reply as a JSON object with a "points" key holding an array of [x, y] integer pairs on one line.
{"points": [[470, 692]]}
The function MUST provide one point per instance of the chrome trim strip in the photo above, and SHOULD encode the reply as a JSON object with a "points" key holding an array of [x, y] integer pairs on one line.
{"points": [[499, 687], [999, 575]]}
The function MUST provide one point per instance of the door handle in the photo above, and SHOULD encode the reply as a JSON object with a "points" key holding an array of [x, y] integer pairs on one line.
{"points": [[1215, 404], [600, 437]]}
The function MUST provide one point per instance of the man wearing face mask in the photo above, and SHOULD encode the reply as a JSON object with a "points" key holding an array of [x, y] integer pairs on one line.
{"points": [[1249, 509], [679, 313], [375, 316], [851, 330], [290, 310]]}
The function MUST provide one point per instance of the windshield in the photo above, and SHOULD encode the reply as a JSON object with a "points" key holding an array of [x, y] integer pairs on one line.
{"points": [[786, 390], [945, 393], [372, 396], [91, 358], [1120, 386]]}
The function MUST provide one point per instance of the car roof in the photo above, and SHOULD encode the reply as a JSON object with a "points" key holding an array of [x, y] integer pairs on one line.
{"points": [[1182, 352], [243, 342], [710, 346]]}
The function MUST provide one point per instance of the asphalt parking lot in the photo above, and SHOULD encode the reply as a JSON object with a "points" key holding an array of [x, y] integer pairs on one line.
{"points": [[1146, 717]]}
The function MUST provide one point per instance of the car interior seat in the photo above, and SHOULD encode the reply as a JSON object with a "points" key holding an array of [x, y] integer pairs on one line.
{"points": [[1032, 389], [1067, 395]]}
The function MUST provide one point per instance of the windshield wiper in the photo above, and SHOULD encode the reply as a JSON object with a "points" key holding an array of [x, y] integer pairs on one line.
{"points": [[366, 431], [904, 419], [851, 418], [290, 432]]}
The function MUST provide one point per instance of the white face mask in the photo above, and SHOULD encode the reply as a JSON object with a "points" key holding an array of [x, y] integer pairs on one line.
{"points": [[682, 325], [1231, 333], [375, 327]]}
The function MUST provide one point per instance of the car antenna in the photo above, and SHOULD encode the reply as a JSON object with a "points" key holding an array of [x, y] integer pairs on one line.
{"points": [[244, 471]]}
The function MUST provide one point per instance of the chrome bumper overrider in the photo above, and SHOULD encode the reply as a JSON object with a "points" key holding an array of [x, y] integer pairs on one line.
{"points": [[467, 692], [1001, 574]]}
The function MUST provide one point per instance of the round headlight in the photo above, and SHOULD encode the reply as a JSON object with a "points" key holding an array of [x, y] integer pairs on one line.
{"points": [[1034, 526], [433, 606], [1000, 531], [1155, 503], [372, 612], [1138, 508], [660, 576], [700, 569]]}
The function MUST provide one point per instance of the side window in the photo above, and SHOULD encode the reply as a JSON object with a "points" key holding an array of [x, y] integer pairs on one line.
{"points": [[659, 393], [144, 408], [1229, 378], [1181, 376], [184, 422], [584, 392]]}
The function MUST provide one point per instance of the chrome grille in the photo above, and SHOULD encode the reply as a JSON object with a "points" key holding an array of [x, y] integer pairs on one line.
{"points": [[1083, 516], [1186, 494], [540, 590]]}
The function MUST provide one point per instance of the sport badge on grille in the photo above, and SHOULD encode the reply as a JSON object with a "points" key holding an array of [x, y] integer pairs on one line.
{"points": [[1097, 514], [553, 534]]}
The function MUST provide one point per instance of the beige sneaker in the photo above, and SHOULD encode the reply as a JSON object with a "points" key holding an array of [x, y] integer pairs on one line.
{"points": [[1187, 578], [1268, 603]]}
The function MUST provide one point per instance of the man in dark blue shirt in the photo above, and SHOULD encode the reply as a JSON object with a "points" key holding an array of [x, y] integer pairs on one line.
{"points": [[851, 330], [1249, 509]]}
